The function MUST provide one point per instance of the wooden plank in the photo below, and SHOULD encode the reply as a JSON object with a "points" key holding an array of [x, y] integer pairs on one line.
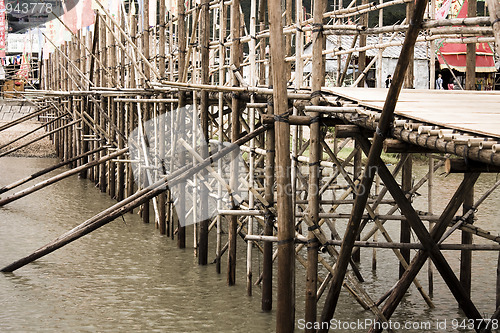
{"points": [[475, 112]]}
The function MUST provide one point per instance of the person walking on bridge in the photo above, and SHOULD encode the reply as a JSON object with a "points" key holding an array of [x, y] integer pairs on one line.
{"points": [[388, 81], [439, 82]]}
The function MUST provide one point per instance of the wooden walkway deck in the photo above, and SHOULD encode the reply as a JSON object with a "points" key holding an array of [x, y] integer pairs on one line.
{"points": [[476, 112]]}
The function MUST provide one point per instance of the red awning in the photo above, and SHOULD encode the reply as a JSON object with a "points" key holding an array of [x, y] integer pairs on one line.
{"points": [[455, 54]]}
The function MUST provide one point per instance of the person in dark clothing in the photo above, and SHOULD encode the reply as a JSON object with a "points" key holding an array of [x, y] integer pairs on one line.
{"points": [[388, 81]]}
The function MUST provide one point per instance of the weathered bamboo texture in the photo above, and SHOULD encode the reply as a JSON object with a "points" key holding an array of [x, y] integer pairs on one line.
{"points": [[98, 88]]}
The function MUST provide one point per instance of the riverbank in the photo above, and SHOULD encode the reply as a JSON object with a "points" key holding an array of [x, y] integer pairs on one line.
{"points": [[41, 148]]}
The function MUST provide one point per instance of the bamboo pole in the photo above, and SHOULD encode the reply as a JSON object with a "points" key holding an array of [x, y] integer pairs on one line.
{"points": [[285, 313], [318, 80], [222, 75], [162, 198], [410, 77], [269, 218], [430, 206], [470, 68], [182, 62], [405, 232], [465, 255], [432, 72], [204, 39], [251, 169], [235, 132], [363, 20]]}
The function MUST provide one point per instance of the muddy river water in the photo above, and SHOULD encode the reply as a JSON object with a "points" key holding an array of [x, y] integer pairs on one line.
{"points": [[125, 277]]}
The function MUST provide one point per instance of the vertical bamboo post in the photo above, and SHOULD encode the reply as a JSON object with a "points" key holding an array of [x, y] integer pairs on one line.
{"points": [[81, 144], [497, 305], [285, 313], [235, 132], [112, 62], [222, 75], [182, 62], [318, 80], [299, 48], [121, 144], [269, 218], [123, 62], [432, 61], [430, 210], [357, 171], [112, 164], [145, 40], [288, 37], [103, 57], [363, 20], [380, 80], [409, 78], [405, 232], [470, 67], [377, 209], [262, 44], [466, 255], [251, 112], [162, 110], [132, 121], [75, 143], [144, 27], [195, 210], [205, 71]]}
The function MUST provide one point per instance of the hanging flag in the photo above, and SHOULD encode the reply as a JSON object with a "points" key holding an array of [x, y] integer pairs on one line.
{"points": [[23, 72], [50, 33], [3, 29], [70, 16], [442, 12], [79, 16], [87, 13]]}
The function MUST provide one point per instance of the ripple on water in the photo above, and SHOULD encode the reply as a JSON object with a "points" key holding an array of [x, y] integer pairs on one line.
{"points": [[126, 277]]}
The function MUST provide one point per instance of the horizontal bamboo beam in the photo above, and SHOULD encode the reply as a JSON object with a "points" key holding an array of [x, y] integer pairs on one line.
{"points": [[386, 245], [458, 165], [393, 146]]}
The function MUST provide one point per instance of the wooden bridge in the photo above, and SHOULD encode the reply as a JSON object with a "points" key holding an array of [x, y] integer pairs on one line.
{"points": [[101, 86]]}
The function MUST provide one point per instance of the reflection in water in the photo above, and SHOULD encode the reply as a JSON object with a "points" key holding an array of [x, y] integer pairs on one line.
{"points": [[126, 277]]}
